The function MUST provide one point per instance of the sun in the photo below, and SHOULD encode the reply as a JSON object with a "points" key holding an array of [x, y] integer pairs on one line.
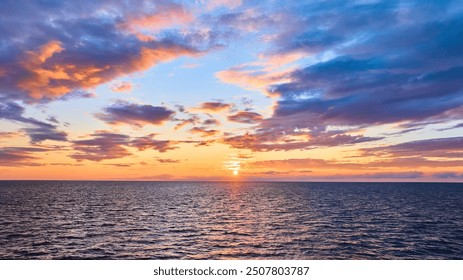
{"points": [[235, 172]]}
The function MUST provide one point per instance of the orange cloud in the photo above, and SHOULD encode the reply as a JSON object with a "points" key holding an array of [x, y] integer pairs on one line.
{"points": [[165, 16], [48, 74], [252, 79], [213, 106], [39, 77], [259, 75], [122, 87]]}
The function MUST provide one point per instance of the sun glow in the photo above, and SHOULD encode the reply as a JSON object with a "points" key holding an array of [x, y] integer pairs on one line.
{"points": [[235, 172]]}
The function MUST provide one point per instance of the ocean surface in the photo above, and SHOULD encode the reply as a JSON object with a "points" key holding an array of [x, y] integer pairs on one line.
{"points": [[230, 220]]}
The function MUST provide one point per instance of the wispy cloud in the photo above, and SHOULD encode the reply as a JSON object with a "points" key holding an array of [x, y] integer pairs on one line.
{"points": [[122, 87]]}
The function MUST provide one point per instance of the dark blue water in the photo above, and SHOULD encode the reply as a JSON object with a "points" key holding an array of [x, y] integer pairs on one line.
{"points": [[184, 220]]}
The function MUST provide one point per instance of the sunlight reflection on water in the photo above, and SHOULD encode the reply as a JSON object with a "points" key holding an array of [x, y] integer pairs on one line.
{"points": [[236, 220]]}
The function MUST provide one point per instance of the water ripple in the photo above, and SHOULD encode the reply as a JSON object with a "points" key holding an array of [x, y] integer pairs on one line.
{"points": [[158, 220]]}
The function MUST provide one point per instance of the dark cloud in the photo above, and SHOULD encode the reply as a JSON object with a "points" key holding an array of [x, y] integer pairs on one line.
{"points": [[439, 147], [404, 131], [148, 142], [213, 122], [38, 131], [204, 131], [460, 125], [393, 175], [378, 164], [20, 156], [281, 141], [40, 134], [246, 117], [118, 164], [165, 160], [448, 175], [102, 145], [181, 108], [392, 63], [14, 112], [52, 119], [134, 114], [183, 122]]}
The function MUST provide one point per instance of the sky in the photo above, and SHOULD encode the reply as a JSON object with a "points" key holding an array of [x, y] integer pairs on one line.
{"points": [[359, 90]]}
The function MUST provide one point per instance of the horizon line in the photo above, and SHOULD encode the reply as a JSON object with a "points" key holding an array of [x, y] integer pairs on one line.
{"points": [[222, 181]]}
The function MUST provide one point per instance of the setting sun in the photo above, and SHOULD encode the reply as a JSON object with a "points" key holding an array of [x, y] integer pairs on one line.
{"points": [[235, 172]]}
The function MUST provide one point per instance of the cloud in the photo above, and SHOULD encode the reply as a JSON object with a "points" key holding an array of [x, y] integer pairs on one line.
{"points": [[214, 106], [232, 4], [437, 147], [148, 142], [77, 94], [371, 71], [250, 20], [359, 71], [46, 55], [37, 131], [101, 146], [274, 140], [204, 132], [123, 112], [166, 14], [163, 160], [213, 122], [253, 79], [52, 119], [460, 125], [376, 164], [39, 134], [118, 164], [448, 175], [183, 122], [393, 175], [246, 117], [6, 135], [122, 87], [19, 156]]}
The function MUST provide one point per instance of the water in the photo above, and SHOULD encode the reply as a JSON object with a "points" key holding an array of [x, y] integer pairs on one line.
{"points": [[212, 220]]}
